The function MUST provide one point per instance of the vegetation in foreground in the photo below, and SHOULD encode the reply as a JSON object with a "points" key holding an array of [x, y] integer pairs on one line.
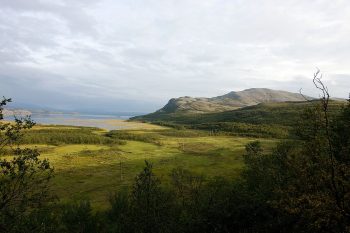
{"points": [[302, 185]]}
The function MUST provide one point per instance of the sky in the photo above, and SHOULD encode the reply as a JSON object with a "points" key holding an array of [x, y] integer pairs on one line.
{"points": [[134, 55]]}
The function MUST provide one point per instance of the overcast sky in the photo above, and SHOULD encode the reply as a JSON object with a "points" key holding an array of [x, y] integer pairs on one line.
{"points": [[133, 55]]}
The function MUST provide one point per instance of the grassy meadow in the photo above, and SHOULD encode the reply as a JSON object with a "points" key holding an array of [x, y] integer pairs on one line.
{"points": [[92, 163]]}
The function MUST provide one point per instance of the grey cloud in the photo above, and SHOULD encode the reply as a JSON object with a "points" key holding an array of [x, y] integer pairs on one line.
{"points": [[154, 50]]}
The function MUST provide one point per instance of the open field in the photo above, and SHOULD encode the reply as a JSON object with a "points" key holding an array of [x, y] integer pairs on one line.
{"points": [[92, 163], [106, 124]]}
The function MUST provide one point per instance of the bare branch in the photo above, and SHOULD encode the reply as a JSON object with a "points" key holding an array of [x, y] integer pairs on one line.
{"points": [[305, 98]]}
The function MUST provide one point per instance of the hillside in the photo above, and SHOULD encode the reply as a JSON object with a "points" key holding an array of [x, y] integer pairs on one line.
{"points": [[230, 101], [274, 119], [284, 113]]}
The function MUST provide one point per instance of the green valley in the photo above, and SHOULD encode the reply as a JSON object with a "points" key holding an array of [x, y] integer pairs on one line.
{"points": [[93, 164], [182, 171]]}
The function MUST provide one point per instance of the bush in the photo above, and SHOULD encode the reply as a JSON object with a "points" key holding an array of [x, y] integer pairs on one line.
{"points": [[66, 136]]}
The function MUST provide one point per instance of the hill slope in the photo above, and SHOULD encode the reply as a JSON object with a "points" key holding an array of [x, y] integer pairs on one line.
{"points": [[284, 113], [252, 112], [230, 101], [261, 120]]}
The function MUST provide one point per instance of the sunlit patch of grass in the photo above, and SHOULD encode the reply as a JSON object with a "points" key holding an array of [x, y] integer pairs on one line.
{"points": [[95, 171], [132, 125]]}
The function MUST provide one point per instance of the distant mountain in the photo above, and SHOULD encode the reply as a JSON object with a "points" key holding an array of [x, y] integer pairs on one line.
{"points": [[230, 101], [16, 112], [281, 113]]}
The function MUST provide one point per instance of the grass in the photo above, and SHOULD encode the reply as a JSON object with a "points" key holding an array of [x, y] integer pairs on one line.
{"points": [[96, 170]]}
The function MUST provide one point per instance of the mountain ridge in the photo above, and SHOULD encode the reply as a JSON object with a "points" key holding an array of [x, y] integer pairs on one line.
{"points": [[230, 101]]}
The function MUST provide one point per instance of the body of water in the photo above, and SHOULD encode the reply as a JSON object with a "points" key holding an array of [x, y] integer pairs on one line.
{"points": [[89, 120]]}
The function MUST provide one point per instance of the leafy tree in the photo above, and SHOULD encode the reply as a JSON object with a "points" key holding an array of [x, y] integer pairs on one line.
{"points": [[151, 208], [118, 215], [308, 179], [23, 179], [188, 188], [78, 218]]}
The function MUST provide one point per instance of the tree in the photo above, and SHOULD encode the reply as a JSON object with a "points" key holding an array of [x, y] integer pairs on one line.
{"points": [[308, 178], [152, 209], [118, 215], [23, 179], [77, 217]]}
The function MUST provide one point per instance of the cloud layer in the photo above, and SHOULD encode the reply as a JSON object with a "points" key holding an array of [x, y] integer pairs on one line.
{"points": [[134, 55]]}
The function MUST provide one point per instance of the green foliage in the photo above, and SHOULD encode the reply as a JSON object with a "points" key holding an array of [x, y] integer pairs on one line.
{"points": [[124, 135], [78, 218], [245, 130], [23, 179], [309, 179], [150, 206], [263, 120], [185, 133], [187, 185], [66, 136], [118, 215]]}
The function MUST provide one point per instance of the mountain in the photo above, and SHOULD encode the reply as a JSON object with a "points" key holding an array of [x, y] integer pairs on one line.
{"points": [[274, 119], [230, 101], [281, 113], [256, 112]]}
